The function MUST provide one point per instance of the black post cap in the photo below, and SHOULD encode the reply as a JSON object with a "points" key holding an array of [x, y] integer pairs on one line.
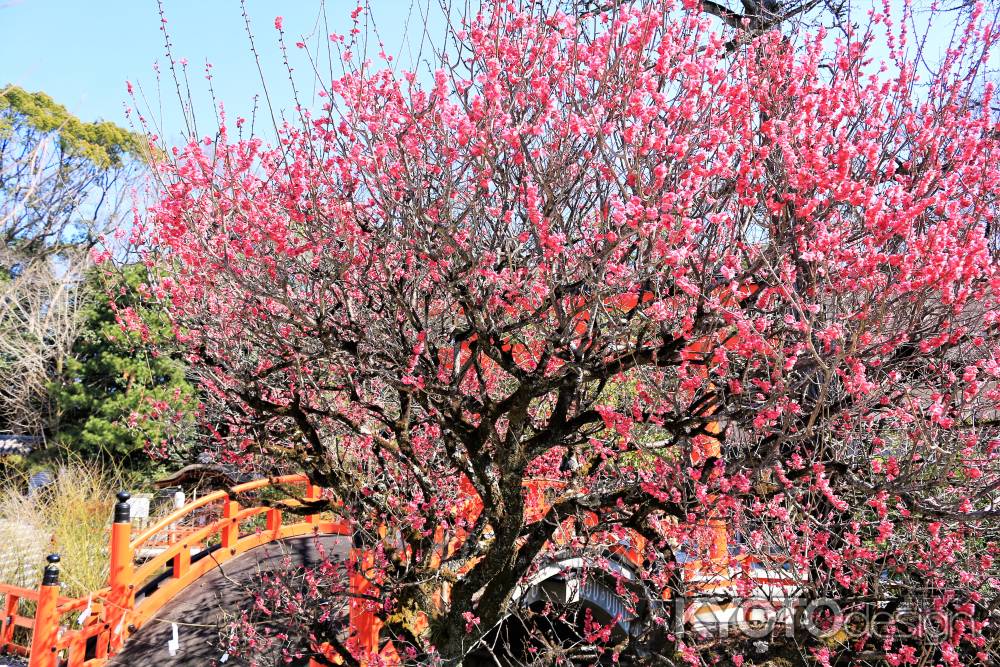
{"points": [[51, 575], [122, 509]]}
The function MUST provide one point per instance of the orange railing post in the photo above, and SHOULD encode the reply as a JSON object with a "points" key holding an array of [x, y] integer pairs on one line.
{"points": [[45, 634], [120, 577], [364, 626], [706, 447], [10, 608], [182, 561], [312, 493], [273, 520], [231, 531]]}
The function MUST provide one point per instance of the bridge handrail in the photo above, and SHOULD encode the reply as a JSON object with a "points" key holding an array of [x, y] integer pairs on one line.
{"points": [[19, 591], [69, 605], [113, 610], [31, 594], [158, 562], [223, 495], [174, 517]]}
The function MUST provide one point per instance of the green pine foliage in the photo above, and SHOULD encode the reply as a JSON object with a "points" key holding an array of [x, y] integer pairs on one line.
{"points": [[118, 397], [94, 390], [103, 143]]}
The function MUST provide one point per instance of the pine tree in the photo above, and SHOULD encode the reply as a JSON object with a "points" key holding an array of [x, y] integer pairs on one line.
{"points": [[117, 396]]}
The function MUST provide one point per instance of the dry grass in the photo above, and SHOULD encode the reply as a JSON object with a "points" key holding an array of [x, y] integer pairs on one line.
{"points": [[22, 551], [71, 516]]}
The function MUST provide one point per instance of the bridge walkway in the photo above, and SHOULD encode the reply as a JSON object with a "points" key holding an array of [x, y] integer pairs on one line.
{"points": [[204, 606], [216, 542]]}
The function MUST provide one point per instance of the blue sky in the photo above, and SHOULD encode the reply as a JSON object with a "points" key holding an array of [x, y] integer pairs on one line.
{"points": [[82, 52]]}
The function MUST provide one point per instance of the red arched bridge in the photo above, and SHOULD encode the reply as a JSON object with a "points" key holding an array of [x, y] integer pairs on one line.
{"points": [[190, 579], [184, 580]]}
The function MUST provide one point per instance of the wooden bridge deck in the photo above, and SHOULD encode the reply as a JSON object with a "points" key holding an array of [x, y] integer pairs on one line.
{"points": [[200, 608]]}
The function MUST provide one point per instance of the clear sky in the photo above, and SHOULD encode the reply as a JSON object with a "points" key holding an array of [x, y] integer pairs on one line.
{"points": [[82, 52]]}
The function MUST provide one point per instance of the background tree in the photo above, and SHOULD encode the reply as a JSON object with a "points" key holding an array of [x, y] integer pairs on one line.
{"points": [[62, 185], [591, 247], [117, 396]]}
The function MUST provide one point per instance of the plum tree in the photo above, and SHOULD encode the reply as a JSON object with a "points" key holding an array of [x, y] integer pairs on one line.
{"points": [[610, 279]]}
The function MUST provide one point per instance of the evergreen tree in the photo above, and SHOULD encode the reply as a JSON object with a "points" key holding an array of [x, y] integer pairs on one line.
{"points": [[117, 395], [64, 183]]}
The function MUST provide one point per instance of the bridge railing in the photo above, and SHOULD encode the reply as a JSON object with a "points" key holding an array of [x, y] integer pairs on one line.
{"points": [[13, 618], [43, 637], [86, 631]]}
